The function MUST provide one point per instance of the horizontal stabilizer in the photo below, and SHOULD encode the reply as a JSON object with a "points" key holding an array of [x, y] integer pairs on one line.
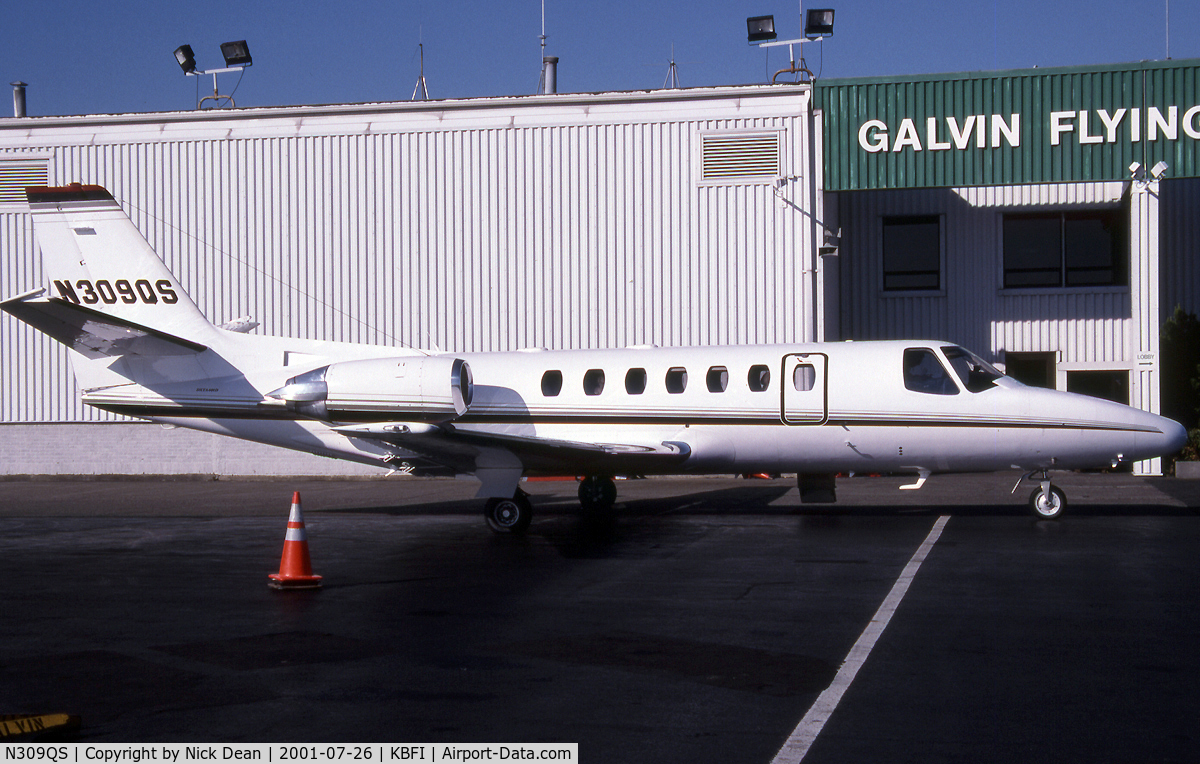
{"points": [[92, 333]]}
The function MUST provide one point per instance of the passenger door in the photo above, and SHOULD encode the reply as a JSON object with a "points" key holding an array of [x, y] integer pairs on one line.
{"points": [[805, 386]]}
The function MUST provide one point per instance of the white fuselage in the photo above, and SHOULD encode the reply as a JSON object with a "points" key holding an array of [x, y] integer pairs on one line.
{"points": [[732, 409], [856, 416]]}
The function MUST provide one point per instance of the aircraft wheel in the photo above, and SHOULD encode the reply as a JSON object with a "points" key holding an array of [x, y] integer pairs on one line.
{"points": [[597, 493], [1048, 507], [509, 515]]}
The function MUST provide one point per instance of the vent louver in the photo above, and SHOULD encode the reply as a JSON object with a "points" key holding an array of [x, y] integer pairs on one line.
{"points": [[15, 176], [728, 156]]}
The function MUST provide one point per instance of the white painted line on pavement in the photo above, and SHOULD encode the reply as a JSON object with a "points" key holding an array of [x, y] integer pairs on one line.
{"points": [[802, 738]]}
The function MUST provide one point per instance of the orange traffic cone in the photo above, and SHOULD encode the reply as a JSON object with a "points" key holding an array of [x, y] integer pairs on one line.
{"points": [[295, 567]]}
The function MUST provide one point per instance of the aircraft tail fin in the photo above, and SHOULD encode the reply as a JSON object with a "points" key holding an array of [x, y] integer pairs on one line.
{"points": [[98, 262]]}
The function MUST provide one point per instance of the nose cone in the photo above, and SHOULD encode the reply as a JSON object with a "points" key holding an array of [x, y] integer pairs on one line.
{"points": [[1107, 432], [1171, 437]]}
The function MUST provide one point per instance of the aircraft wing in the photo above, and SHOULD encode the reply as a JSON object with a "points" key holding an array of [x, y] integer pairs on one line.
{"points": [[463, 448], [92, 333]]}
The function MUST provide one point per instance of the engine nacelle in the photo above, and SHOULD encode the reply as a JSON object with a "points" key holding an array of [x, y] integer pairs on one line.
{"points": [[417, 388]]}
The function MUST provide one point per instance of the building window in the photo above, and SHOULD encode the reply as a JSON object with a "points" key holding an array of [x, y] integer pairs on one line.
{"points": [[1065, 249], [1033, 369], [912, 253], [1109, 385]]}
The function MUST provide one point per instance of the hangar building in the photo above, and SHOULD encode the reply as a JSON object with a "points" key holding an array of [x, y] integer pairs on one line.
{"points": [[1024, 214], [676, 217], [1000, 210]]}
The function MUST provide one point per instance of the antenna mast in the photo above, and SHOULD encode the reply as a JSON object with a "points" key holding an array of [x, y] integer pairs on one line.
{"points": [[542, 80], [420, 87], [1168, 13], [672, 72]]}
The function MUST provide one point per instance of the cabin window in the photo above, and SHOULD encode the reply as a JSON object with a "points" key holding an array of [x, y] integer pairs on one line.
{"points": [[676, 380], [552, 383], [759, 378], [1065, 249], [804, 378], [924, 373], [912, 253], [717, 379], [593, 382], [976, 374], [635, 381]]}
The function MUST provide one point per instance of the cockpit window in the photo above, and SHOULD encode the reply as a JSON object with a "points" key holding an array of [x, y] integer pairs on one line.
{"points": [[923, 373], [976, 374]]}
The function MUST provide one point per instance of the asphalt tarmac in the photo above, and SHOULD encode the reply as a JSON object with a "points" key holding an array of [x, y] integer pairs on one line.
{"points": [[701, 626]]}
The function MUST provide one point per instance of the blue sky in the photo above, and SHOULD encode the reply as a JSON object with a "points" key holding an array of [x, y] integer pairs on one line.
{"points": [[91, 57]]}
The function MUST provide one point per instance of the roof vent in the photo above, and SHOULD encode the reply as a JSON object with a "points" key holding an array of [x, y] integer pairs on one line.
{"points": [[19, 98]]}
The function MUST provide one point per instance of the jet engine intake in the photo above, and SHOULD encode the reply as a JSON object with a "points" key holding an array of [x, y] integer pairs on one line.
{"points": [[418, 388]]}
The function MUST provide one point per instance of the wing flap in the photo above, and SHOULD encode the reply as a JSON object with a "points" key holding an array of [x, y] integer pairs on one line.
{"points": [[454, 445], [92, 333]]}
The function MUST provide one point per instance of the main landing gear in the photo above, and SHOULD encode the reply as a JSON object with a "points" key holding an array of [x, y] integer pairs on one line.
{"points": [[597, 495], [1047, 502]]}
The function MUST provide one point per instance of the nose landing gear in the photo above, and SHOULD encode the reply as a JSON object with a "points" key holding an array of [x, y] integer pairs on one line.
{"points": [[509, 515], [1047, 502]]}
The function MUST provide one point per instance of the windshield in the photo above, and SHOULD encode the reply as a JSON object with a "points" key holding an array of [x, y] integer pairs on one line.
{"points": [[976, 374]]}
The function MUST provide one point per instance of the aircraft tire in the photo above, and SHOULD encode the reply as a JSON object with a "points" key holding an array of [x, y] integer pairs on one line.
{"points": [[509, 515], [1048, 508], [597, 494]]}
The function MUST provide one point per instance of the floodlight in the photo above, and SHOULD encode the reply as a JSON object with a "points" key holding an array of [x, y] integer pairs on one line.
{"points": [[186, 59], [819, 22], [237, 58], [760, 28], [237, 53], [1159, 170], [831, 243]]}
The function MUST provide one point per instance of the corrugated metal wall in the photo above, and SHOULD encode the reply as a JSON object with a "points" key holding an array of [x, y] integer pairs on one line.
{"points": [[556, 222], [972, 309]]}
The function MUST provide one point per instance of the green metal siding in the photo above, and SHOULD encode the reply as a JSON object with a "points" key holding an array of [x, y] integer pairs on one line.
{"points": [[941, 158]]}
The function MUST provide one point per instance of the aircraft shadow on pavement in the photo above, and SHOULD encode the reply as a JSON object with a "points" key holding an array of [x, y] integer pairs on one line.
{"points": [[769, 499]]}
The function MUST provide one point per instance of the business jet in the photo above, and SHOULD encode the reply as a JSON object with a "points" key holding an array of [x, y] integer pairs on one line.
{"points": [[141, 347]]}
